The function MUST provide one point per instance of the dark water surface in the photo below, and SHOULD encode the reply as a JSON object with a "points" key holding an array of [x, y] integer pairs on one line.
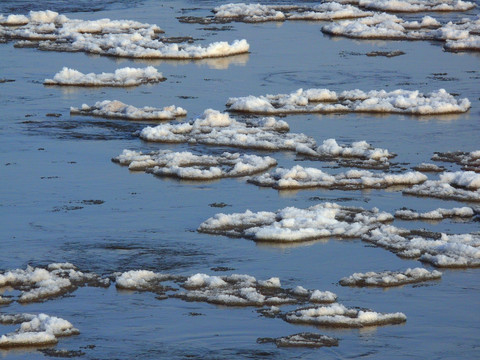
{"points": [[63, 200]]}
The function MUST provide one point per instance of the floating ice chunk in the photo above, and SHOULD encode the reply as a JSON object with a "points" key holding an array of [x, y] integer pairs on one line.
{"points": [[326, 101], [338, 315], [299, 177], [458, 36], [310, 340], [120, 38], [122, 77], [253, 13], [241, 290], [186, 165], [38, 284], [4, 301], [291, 224], [438, 214], [215, 128], [13, 20], [426, 167], [117, 109], [35, 330], [468, 160], [443, 250], [318, 296], [462, 186], [412, 6], [390, 278]]}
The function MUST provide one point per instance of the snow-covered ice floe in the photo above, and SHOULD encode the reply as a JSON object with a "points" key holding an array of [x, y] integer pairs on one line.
{"points": [[437, 214], [232, 290], [460, 185], [390, 278], [48, 30], [185, 165], [427, 167], [441, 250], [35, 330], [299, 177], [260, 13], [292, 224], [121, 77], [118, 110], [359, 154], [337, 315], [38, 284], [215, 128], [460, 36], [328, 101], [304, 339], [411, 6], [469, 161], [245, 290]]}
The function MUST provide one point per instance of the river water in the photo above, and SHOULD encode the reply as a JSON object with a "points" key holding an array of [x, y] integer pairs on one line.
{"points": [[52, 167]]}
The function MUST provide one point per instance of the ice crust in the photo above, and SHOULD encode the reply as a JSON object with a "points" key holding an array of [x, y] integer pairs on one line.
{"points": [[186, 165], [460, 185], [337, 315], [437, 214], [469, 161], [38, 284], [460, 36], [215, 128], [260, 13], [411, 6], [328, 101], [457, 250], [120, 38], [299, 177], [292, 224], [119, 110], [390, 278], [310, 340], [122, 77], [35, 330]]}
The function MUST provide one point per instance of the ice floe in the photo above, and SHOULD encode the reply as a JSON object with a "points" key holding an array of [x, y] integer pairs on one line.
{"points": [[426, 167], [328, 101], [460, 36], [299, 177], [292, 224], [310, 340], [215, 128], [337, 315], [186, 165], [37, 284], [119, 110], [468, 160], [441, 250], [35, 330], [48, 30], [261, 13], [121, 77], [390, 278], [460, 185], [438, 214], [411, 6], [232, 290]]}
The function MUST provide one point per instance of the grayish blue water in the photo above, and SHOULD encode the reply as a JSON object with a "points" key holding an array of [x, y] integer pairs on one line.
{"points": [[51, 166]]}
